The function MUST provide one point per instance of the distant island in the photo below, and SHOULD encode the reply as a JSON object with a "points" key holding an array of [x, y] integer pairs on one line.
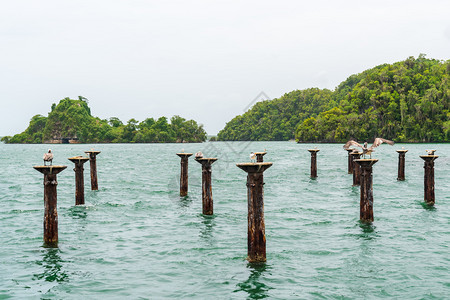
{"points": [[71, 122], [407, 101]]}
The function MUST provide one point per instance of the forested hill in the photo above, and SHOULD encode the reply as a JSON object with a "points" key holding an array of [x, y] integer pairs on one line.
{"points": [[72, 119], [404, 101]]}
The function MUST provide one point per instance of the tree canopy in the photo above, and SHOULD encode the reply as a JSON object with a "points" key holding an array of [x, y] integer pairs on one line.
{"points": [[404, 101], [73, 119]]}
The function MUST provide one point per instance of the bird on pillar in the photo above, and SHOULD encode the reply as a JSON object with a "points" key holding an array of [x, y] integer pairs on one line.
{"points": [[430, 152], [48, 157], [252, 157], [199, 154], [368, 150]]}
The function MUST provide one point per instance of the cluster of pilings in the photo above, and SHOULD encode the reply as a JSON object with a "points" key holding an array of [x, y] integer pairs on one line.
{"points": [[362, 176], [256, 236], [361, 169], [50, 193]]}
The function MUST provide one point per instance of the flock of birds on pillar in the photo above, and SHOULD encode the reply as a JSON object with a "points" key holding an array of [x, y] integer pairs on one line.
{"points": [[368, 150]]}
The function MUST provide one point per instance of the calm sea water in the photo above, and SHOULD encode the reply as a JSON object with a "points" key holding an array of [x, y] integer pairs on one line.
{"points": [[136, 238]]}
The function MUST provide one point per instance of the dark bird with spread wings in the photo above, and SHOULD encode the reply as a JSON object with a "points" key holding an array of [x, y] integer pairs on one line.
{"points": [[366, 150], [48, 157]]}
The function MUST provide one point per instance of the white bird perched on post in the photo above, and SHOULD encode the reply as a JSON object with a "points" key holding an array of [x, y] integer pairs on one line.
{"points": [[199, 154], [252, 157], [48, 157], [430, 152], [368, 150]]}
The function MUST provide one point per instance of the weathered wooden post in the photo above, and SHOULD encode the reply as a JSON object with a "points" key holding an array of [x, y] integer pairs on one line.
{"points": [[50, 203], [79, 178], [256, 230], [350, 161], [93, 161], [184, 173], [313, 162], [207, 199], [429, 178], [356, 168], [366, 197], [259, 156], [401, 164]]}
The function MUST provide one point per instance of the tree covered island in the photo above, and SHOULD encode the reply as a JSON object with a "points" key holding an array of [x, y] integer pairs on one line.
{"points": [[407, 101], [71, 121]]}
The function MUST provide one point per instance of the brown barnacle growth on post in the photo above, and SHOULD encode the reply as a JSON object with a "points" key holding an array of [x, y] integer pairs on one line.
{"points": [[313, 162], [350, 160], [79, 178], [429, 178], [356, 168], [259, 156], [50, 203], [184, 173], [401, 164], [256, 235], [93, 164], [207, 199], [366, 197]]}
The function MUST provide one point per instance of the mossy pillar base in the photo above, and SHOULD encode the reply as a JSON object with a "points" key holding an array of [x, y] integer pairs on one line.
{"points": [[366, 197], [429, 178], [207, 199], [50, 203], [184, 173], [256, 235]]}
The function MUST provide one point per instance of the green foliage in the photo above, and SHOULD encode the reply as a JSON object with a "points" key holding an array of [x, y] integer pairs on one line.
{"points": [[73, 119], [277, 119], [33, 134], [404, 101]]}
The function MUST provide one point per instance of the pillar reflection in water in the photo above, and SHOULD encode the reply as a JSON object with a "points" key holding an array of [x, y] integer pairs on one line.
{"points": [[52, 265], [254, 286]]}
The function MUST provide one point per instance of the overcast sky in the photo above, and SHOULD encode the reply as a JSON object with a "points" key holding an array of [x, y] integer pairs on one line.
{"points": [[203, 60]]}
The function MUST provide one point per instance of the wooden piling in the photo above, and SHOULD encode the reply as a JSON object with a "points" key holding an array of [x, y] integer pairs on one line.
{"points": [[401, 165], [366, 197], [184, 173], [256, 237], [356, 168], [207, 199], [93, 164], [50, 203], [313, 162], [259, 156], [79, 178], [429, 178], [256, 229], [350, 161]]}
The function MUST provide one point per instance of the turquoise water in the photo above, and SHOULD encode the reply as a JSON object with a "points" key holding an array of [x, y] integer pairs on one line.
{"points": [[136, 238]]}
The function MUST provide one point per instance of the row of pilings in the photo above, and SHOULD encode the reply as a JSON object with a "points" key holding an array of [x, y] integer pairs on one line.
{"points": [[361, 169], [50, 193], [256, 235]]}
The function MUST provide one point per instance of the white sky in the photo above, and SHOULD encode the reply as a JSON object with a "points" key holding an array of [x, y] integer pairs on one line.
{"points": [[205, 60]]}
